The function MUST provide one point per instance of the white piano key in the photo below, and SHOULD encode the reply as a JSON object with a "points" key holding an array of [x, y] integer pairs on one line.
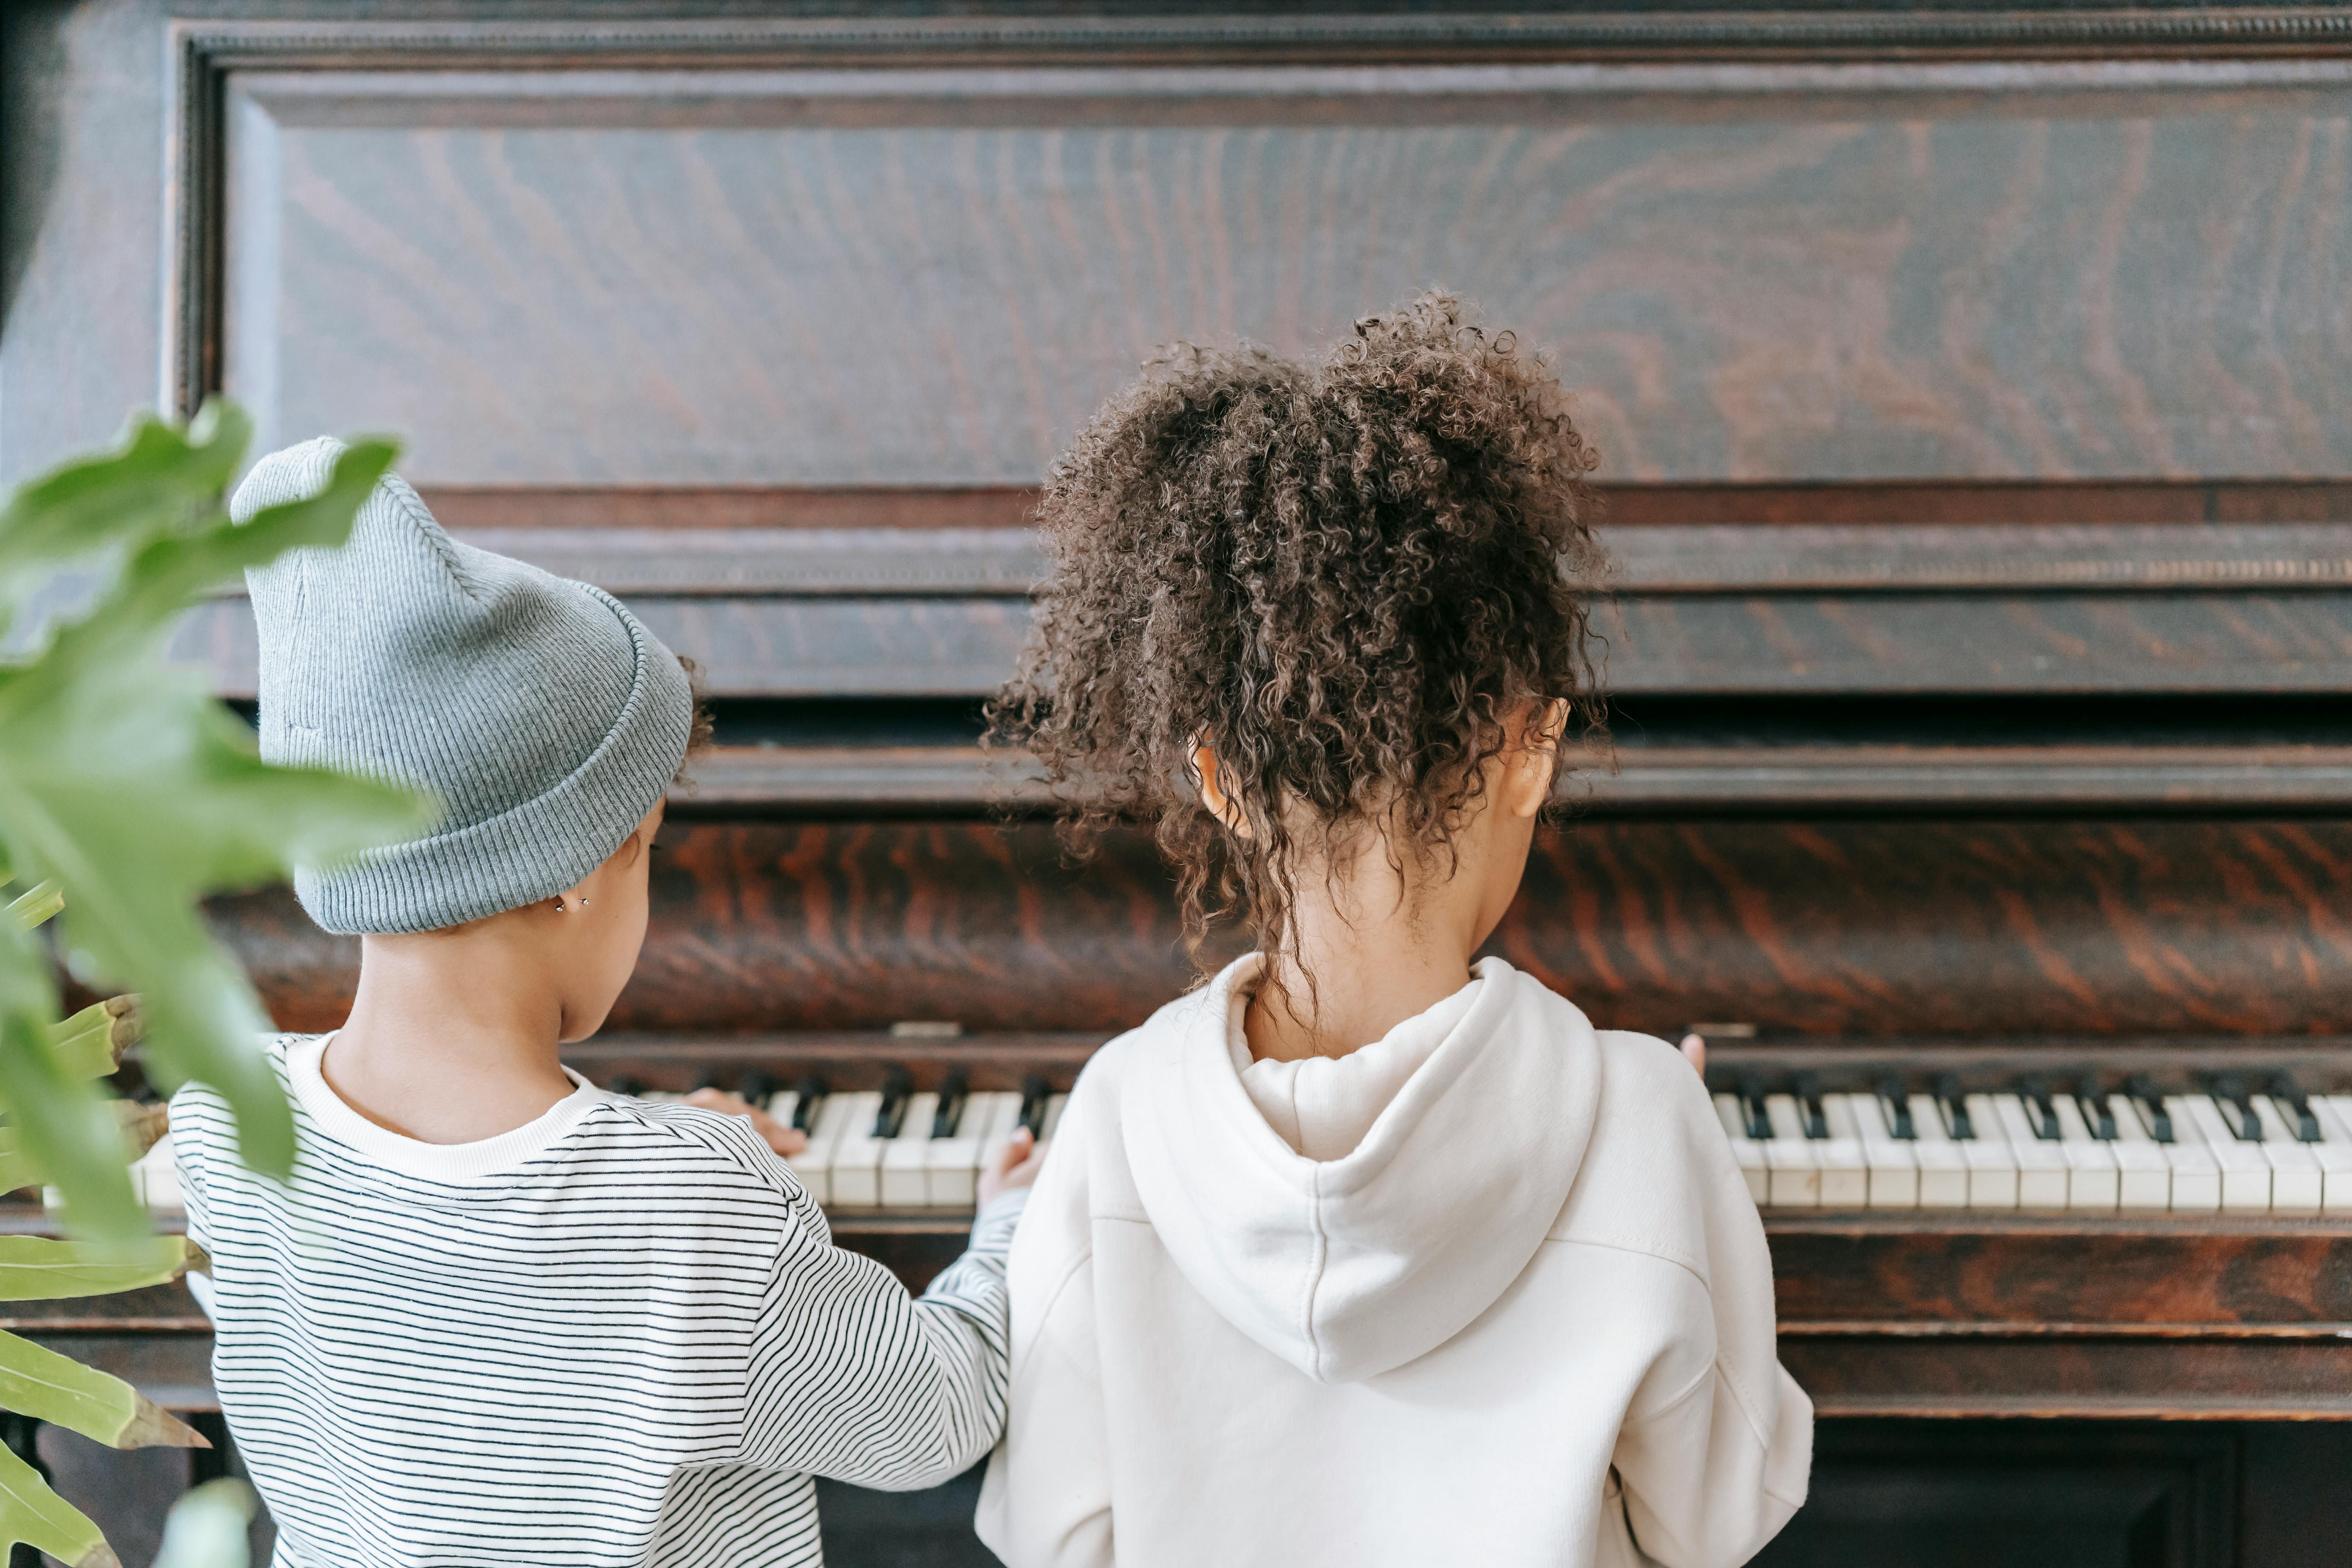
{"points": [[2196, 1172], [2143, 1169], [1943, 1167], [1892, 1166], [1845, 1169], [2094, 1177], [155, 1176], [2245, 1171], [856, 1164], [954, 1163], [1992, 1167], [1745, 1151], [2042, 1166], [905, 1162], [2334, 1152], [1054, 1104], [1796, 1172], [814, 1165], [2296, 1183]]}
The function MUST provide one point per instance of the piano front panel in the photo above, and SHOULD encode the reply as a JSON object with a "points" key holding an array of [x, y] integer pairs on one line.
{"points": [[1992, 927]]}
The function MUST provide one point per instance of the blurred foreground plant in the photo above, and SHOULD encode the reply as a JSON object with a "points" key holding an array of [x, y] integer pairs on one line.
{"points": [[127, 792]]}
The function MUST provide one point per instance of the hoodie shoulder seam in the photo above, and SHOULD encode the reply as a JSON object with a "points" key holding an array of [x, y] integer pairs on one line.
{"points": [[1671, 1257]]}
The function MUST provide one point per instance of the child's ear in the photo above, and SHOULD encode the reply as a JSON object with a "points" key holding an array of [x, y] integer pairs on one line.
{"points": [[1534, 761], [1222, 806]]}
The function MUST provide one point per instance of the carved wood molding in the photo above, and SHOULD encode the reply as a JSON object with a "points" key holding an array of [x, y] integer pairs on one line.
{"points": [[818, 780]]}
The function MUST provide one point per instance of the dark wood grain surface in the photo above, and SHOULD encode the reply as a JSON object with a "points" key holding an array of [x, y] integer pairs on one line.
{"points": [[1781, 645], [1984, 929], [931, 277]]}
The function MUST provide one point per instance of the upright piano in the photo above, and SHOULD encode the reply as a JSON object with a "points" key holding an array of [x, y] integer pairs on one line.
{"points": [[1972, 389]]}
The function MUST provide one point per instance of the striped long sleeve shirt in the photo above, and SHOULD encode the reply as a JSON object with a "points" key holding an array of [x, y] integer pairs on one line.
{"points": [[618, 1335]]}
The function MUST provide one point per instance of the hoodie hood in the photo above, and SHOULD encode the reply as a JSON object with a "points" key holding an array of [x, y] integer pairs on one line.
{"points": [[1350, 1268]]}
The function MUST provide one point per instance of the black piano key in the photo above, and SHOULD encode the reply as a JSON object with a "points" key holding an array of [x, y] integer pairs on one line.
{"points": [[623, 1083], [756, 1089], [1750, 1089], [1954, 1099], [1034, 1092], [1897, 1106], [2098, 1112], [897, 1089], [2035, 1090], [2289, 1096], [2230, 1093], [955, 1089], [812, 1090], [2142, 1088], [1809, 1105]]}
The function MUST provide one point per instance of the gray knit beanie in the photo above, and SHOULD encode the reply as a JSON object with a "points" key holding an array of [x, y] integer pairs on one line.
{"points": [[545, 719]]}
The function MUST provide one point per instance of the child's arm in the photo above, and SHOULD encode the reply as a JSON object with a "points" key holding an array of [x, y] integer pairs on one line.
{"points": [[854, 1379], [1714, 1466], [1046, 1501]]}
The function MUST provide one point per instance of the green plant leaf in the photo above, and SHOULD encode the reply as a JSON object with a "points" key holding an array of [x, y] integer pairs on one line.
{"points": [[37, 1381], [36, 906], [43, 1269], [57, 1116], [32, 1513], [207, 1528], [123, 781]]}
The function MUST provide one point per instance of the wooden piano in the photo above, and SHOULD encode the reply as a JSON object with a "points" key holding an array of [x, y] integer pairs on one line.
{"points": [[1972, 393]]}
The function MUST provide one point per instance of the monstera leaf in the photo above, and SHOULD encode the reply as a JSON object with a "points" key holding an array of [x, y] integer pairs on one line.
{"points": [[128, 788], [127, 793]]}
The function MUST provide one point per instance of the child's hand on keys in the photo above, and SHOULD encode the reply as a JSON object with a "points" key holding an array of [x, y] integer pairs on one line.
{"points": [[1015, 1165], [783, 1139]]}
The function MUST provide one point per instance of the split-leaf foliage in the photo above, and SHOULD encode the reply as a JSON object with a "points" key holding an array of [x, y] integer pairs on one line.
{"points": [[127, 793]]}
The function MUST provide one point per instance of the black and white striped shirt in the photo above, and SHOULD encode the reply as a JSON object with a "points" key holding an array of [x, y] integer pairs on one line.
{"points": [[620, 1334]]}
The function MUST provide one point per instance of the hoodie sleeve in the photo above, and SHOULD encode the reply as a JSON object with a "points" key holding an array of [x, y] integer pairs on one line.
{"points": [[852, 1378], [1713, 1464], [1047, 1500]]}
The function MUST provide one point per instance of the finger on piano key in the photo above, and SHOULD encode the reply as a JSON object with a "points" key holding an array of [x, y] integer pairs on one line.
{"points": [[1892, 1169], [987, 1122], [2297, 1184], [905, 1158], [1796, 1172], [2334, 1152], [2245, 1171], [825, 1118], [1844, 1166], [1748, 1153], [2034, 1145], [1992, 1164], [2094, 1173], [1943, 1168]]}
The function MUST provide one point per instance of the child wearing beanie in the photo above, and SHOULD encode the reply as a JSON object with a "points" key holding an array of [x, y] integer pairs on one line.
{"points": [[497, 1315]]}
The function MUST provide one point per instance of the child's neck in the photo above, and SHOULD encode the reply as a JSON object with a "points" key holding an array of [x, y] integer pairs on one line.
{"points": [[446, 1043], [1372, 968]]}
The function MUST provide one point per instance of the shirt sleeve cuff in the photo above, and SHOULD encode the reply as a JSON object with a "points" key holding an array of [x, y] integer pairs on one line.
{"points": [[992, 1228]]}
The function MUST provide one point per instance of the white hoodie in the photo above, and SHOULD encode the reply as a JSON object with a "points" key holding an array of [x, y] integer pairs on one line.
{"points": [[1519, 1312]]}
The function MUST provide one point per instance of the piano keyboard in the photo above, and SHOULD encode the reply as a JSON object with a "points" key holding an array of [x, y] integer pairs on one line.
{"points": [[2259, 1146], [895, 1147], [2266, 1148]]}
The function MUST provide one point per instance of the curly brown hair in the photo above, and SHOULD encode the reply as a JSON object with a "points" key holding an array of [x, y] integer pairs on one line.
{"points": [[1345, 576]]}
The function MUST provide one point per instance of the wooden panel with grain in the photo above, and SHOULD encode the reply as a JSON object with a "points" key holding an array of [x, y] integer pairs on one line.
{"points": [[859, 274], [1790, 644], [1970, 929]]}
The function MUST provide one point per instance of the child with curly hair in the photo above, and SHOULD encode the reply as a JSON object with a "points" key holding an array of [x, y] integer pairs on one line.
{"points": [[1371, 1251]]}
